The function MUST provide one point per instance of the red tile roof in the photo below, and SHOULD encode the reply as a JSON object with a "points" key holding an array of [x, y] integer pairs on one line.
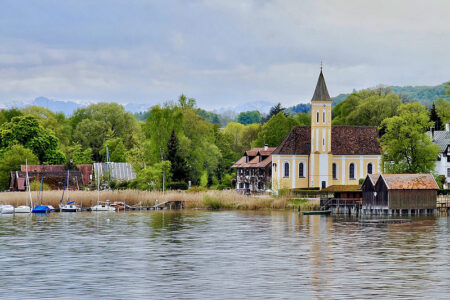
{"points": [[254, 156], [410, 181], [374, 178], [345, 140]]}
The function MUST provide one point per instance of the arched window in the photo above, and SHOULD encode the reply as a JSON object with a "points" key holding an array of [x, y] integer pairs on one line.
{"points": [[274, 167], [324, 116], [352, 171], [334, 171], [301, 170], [369, 168], [286, 169], [317, 116]]}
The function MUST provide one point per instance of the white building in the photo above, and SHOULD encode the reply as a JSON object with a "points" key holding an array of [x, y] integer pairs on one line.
{"points": [[442, 138]]}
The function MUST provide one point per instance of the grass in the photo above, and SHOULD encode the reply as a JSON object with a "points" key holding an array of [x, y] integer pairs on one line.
{"points": [[202, 199]]}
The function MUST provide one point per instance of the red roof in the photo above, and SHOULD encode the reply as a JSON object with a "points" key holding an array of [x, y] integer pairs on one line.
{"points": [[254, 158], [374, 178], [345, 140], [410, 181]]}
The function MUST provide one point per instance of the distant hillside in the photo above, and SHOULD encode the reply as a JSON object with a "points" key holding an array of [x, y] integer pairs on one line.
{"points": [[425, 95]]}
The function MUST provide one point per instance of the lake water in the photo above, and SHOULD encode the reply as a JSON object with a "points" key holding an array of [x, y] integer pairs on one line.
{"points": [[220, 255]]}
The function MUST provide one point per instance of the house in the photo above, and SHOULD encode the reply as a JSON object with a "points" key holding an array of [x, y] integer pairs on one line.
{"points": [[442, 138], [54, 176], [253, 170], [321, 155], [399, 194]]}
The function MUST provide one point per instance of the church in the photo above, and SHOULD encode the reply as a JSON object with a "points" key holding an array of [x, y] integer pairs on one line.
{"points": [[322, 155]]}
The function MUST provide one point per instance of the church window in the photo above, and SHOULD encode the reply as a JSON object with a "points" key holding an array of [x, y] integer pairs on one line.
{"points": [[334, 171], [274, 167], [352, 171], [369, 168], [317, 116], [286, 169], [324, 116], [301, 170]]}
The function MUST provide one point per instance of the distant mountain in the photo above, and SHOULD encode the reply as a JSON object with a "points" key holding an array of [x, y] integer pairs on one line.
{"points": [[261, 106], [66, 107]]}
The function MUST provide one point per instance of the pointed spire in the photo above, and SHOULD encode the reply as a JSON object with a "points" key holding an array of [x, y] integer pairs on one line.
{"points": [[321, 92]]}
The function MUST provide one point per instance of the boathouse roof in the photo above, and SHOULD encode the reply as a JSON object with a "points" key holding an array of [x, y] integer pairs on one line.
{"points": [[409, 181]]}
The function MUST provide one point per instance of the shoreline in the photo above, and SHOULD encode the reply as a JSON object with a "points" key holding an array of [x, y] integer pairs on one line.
{"points": [[205, 200]]}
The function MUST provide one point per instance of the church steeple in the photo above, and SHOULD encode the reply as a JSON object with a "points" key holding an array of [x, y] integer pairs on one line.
{"points": [[321, 92]]}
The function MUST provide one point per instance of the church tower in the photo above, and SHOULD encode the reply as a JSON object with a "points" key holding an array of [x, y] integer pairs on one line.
{"points": [[320, 135]]}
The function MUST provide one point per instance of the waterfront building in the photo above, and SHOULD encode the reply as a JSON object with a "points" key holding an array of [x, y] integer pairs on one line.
{"points": [[399, 194], [442, 138], [253, 170], [321, 155], [54, 176]]}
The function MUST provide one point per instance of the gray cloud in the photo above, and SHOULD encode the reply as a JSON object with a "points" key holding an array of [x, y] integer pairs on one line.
{"points": [[220, 52]]}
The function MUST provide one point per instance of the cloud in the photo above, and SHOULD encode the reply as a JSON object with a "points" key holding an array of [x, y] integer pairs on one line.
{"points": [[217, 51]]}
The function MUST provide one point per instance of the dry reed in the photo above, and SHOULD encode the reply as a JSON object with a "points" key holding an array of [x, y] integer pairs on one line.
{"points": [[204, 200]]}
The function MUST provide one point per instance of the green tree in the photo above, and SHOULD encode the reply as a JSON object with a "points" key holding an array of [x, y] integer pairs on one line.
{"points": [[11, 161], [275, 130], [407, 147], [275, 110], [6, 115], [56, 122], [78, 155], [235, 130], [27, 131], [116, 148], [97, 123], [178, 164], [249, 117], [434, 117], [443, 109], [151, 177]]}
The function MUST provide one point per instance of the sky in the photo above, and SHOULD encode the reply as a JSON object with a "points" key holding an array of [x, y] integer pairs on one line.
{"points": [[222, 53]]}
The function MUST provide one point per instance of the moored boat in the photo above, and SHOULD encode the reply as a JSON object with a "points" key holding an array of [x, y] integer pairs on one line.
{"points": [[103, 207], [317, 212], [22, 209], [6, 209], [70, 207]]}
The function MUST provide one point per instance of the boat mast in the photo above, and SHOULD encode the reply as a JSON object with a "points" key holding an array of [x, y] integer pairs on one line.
{"points": [[28, 183], [98, 187]]}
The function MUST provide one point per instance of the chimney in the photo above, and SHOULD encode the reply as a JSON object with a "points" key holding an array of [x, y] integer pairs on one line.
{"points": [[432, 133], [447, 127], [267, 146]]}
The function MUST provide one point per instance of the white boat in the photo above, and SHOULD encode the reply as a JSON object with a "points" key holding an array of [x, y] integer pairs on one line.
{"points": [[70, 206], [26, 209], [103, 207], [99, 206], [22, 209], [6, 209]]}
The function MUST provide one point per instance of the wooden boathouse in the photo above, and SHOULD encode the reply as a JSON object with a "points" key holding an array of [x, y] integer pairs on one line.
{"points": [[341, 199], [399, 194]]}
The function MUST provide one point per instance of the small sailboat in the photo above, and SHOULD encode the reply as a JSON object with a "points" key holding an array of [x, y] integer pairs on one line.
{"points": [[26, 209], [70, 206], [101, 207], [42, 209]]}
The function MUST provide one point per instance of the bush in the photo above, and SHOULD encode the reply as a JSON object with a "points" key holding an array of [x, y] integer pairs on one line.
{"points": [[178, 185], [197, 189]]}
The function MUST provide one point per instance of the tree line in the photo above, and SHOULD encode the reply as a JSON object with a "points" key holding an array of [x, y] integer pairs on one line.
{"points": [[178, 141]]}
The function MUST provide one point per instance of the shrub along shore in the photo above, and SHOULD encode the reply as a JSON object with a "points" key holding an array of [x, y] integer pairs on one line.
{"points": [[201, 200]]}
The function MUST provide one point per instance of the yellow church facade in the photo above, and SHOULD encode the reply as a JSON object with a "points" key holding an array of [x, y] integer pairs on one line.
{"points": [[321, 155]]}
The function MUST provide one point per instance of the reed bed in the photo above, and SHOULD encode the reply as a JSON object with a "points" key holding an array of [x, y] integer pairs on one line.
{"points": [[202, 200]]}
